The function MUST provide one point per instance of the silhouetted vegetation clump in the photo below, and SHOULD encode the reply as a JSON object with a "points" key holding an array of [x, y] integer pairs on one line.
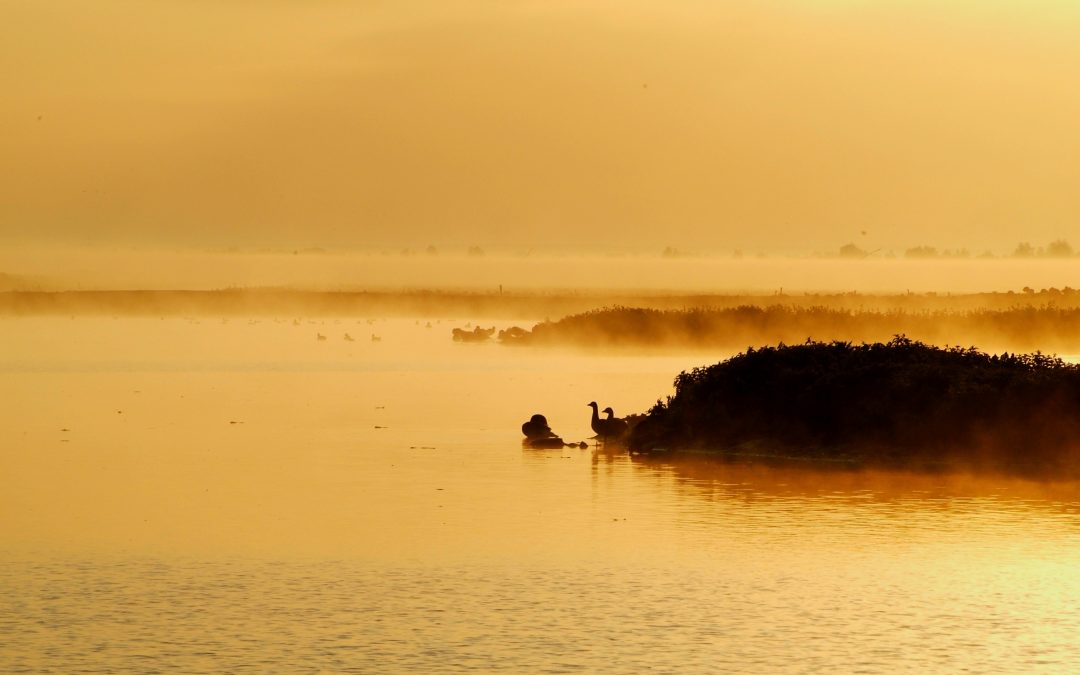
{"points": [[900, 402], [852, 251], [477, 334], [1059, 248], [930, 253]]}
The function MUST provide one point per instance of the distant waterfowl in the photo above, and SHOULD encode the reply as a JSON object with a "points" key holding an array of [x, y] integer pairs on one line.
{"points": [[320, 337], [348, 338], [375, 338]]}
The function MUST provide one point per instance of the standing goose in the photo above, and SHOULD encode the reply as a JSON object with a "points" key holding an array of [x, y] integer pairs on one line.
{"points": [[598, 426], [615, 427]]}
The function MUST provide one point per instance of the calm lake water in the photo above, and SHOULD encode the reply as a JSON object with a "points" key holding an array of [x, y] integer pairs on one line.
{"points": [[209, 495]]}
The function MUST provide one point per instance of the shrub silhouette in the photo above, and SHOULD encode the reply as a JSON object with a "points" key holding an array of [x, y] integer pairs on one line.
{"points": [[896, 402]]}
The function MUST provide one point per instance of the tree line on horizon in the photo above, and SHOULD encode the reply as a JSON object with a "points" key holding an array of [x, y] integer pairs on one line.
{"points": [[1059, 248]]}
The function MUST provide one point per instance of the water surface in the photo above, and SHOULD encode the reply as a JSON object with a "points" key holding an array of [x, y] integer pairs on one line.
{"points": [[209, 495]]}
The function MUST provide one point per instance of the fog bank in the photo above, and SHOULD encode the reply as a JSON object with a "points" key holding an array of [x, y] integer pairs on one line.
{"points": [[89, 269]]}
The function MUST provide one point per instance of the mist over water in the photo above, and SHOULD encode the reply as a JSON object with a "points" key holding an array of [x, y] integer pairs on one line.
{"points": [[223, 493], [236, 434], [163, 269], [249, 478]]}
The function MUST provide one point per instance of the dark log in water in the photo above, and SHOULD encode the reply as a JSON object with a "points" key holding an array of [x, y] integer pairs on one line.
{"points": [[901, 402]]}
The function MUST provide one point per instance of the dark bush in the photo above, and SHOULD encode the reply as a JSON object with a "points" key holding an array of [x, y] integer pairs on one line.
{"points": [[896, 402]]}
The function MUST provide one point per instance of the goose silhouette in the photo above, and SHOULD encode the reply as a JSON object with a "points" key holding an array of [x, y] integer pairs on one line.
{"points": [[539, 435], [598, 425], [614, 426], [536, 427]]}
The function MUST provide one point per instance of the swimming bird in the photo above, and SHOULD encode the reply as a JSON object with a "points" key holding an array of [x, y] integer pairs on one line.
{"points": [[320, 337], [615, 427], [536, 427], [539, 435], [348, 338]]}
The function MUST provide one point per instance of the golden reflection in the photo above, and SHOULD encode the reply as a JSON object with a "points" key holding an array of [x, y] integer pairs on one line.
{"points": [[237, 492], [718, 479], [237, 240]]}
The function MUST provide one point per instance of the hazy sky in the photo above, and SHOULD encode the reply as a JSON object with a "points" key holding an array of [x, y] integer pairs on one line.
{"points": [[705, 125]]}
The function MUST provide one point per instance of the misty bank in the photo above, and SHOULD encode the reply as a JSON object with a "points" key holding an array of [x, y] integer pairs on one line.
{"points": [[896, 403], [1049, 326], [25, 300]]}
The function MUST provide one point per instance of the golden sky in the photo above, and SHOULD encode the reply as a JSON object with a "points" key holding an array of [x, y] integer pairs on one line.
{"points": [[704, 125]]}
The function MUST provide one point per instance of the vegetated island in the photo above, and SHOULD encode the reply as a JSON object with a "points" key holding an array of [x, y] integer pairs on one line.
{"points": [[900, 403], [1022, 327]]}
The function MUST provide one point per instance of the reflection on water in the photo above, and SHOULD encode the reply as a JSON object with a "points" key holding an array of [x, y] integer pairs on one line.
{"points": [[244, 498]]}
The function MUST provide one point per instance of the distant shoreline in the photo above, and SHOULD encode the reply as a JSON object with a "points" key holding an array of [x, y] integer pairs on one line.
{"points": [[1048, 327], [536, 305]]}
